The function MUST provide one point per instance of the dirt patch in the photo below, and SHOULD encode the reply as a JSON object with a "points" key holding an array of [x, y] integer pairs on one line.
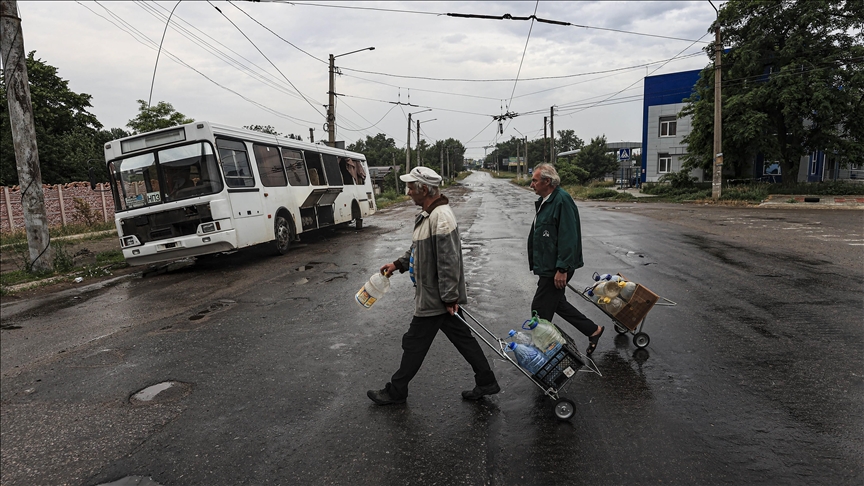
{"points": [[84, 253]]}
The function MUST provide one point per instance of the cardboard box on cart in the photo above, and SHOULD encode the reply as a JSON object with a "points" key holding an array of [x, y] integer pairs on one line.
{"points": [[635, 310]]}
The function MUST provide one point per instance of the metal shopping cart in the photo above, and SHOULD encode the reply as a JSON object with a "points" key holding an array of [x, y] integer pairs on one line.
{"points": [[631, 317], [553, 376]]}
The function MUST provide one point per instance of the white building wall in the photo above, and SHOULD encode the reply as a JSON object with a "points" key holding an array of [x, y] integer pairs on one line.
{"points": [[671, 146]]}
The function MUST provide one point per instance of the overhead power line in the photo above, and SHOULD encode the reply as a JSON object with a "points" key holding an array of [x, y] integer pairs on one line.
{"points": [[492, 17]]}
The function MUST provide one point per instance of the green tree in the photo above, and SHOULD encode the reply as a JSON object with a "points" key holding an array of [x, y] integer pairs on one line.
{"points": [[161, 115], [793, 83], [379, 150], [594, 159], [567, 141], [65, 129], [263, 129]]}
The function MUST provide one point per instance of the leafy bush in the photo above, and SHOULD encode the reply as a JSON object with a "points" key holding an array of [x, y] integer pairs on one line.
{"points": [[679, 180], [751, 193]]}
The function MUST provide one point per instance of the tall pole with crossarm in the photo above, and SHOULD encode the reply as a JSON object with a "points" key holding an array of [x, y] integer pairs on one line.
{"points": [[331, 109]]}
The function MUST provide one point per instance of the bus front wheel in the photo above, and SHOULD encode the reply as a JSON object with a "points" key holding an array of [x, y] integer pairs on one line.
{"points": [[282, 230]]}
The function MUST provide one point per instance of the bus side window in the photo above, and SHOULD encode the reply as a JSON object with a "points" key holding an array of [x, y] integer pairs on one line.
{"points": [[235, 163], [269, 166], [296, 168], [331, 168], [348, 170], [316, 169]]}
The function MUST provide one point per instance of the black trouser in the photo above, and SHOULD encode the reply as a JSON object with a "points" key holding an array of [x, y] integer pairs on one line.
{"points": [[549, 301], [418, 339]]}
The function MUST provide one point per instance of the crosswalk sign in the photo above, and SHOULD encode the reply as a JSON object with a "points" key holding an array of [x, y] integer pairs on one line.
{"points": [[624, 154]]}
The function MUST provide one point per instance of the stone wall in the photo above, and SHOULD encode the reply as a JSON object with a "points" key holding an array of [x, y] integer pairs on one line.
{"points": [[59, 204]]}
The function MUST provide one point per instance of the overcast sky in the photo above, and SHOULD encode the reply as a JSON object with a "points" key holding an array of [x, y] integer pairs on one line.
{"points": [[209, 70]]}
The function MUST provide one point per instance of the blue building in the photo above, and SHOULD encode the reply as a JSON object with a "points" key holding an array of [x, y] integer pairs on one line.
{"points": [[662, 131]]}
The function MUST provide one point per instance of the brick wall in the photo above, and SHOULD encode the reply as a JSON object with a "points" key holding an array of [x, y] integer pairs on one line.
{"points": [[59, 204]]}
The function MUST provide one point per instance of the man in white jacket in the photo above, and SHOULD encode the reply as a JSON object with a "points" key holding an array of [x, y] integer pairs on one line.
{"points": [[434, 263]]}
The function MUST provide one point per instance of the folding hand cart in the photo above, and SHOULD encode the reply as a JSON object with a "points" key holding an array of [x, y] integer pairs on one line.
{"points": [[631, 318], [553, 376]]}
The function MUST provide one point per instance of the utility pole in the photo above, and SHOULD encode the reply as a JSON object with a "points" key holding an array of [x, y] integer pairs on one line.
{"points": [[517, 161], [311, 135], [419, 163], [525, 169], [717, 179], [24, 137], [331, 110], [408, 149], [545, 141], [448, 161], [552, 158], [441, 161]]}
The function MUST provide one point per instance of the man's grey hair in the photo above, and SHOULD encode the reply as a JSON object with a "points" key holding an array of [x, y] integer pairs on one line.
{"points": [[548, 172], [433, 190]]}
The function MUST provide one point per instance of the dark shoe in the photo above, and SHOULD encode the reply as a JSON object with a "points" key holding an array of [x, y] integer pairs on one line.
{"points": [[481, 391], [383, 397], [592, 342]]}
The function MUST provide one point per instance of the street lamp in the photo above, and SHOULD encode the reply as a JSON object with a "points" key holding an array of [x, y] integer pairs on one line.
{"points": [[331, 111], [418, 138]]}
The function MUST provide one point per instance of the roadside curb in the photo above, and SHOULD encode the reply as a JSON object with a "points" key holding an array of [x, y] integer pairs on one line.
{"points": [[825, 202]]}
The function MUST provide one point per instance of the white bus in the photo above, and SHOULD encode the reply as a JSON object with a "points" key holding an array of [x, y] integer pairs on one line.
{"points": [[204, 188]]}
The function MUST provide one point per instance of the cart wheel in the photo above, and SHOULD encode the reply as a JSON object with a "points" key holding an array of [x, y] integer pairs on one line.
{"points": [[564, 409], [620, 329], [641, 340]]}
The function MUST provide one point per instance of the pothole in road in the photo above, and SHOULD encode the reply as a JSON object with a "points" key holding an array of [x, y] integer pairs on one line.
{"points": [[166, 391], [132, 481], [214, 307]]}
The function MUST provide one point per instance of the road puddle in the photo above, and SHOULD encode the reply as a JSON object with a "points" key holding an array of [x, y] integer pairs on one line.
{"points": [[161, 392], [132, 481]]}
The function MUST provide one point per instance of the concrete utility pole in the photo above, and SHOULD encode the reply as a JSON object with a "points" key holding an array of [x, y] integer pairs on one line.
{"points": [[545, 141], [552, 155], [331, 109], [408, 150], [525, 169], [311, 135], [24, 137], [717, 179], [419, 163], [441, 161]]}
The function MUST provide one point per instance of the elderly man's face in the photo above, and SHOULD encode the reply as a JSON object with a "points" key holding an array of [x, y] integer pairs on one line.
{"points": [[542, 187], [417, 192]]}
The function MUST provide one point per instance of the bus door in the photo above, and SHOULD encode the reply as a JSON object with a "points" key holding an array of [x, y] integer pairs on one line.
{"points": [[246, 199]]}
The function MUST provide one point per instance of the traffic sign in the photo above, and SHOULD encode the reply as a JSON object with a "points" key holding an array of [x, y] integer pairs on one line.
{"points": [[624, 154]]}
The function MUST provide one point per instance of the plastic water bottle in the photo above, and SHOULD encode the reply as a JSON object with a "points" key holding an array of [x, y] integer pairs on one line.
{"points": [[372, 290], [614, 306], [606, 276], [544, 335], [608, 288], [597, 299], [519, 337], [528, 357], [627, 291]]}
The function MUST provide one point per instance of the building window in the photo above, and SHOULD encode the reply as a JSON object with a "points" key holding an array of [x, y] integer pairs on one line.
{"points": [[664, 164], [668, 127], [771, 168]]}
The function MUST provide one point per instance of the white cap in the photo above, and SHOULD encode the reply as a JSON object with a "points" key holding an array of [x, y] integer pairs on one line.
{"points": [[424, 175]]}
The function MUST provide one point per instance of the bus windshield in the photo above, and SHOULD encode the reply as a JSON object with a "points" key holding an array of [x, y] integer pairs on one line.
{"points": [[165, 175]]}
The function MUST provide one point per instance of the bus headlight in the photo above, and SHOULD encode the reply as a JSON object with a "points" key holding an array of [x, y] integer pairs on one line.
{"points": [[128, 241], [205, 228]]}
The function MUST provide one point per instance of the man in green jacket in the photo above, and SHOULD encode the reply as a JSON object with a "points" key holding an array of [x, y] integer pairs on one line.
{"points": [[555, 252]]}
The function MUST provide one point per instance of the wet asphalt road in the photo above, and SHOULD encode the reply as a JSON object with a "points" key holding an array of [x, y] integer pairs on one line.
{"points": [[755, 377]]}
